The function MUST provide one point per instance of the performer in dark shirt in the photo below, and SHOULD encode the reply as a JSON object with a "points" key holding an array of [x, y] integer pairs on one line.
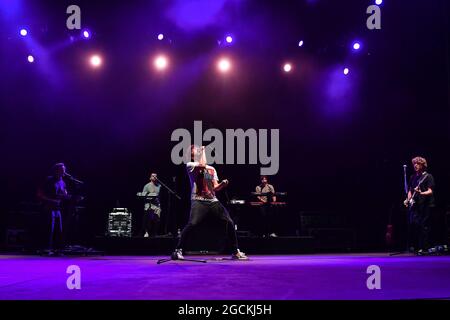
{"points": [[420, 202], [204, 185], [53, 193]]}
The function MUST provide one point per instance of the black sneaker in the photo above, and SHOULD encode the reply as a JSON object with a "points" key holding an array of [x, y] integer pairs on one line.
{"points": [[177, 255]]}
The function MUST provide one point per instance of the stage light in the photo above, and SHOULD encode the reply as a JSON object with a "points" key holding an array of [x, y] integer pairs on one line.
{"points": [[287, 67], [346, 71], [224, 65], [229, 39], [96, 61], [30, 58], [161, 62], [300, 44], [160, 36], [356, 46], [378, 2], [86, 34], [23, 32]]}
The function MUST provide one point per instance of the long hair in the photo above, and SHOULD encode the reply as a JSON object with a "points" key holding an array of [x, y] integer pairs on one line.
{"points": [[420, 160]]}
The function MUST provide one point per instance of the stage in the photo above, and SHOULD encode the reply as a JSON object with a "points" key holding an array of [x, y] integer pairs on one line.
{"points": [[263, 277]]}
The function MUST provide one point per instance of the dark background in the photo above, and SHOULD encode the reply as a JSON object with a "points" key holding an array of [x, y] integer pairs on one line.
{"points": [[343, 139]]}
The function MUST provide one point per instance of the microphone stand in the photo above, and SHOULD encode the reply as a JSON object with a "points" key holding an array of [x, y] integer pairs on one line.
{"points": [[73, 224], [168, 189], [171, 192], [408, 216], [169, 202], [71, 178]]}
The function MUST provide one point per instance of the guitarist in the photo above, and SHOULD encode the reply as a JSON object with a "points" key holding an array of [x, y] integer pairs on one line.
{"points": [[420, 202], [53, 194]]}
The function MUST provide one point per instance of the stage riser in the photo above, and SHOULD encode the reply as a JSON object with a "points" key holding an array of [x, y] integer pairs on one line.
{"points": [[158, 246]]}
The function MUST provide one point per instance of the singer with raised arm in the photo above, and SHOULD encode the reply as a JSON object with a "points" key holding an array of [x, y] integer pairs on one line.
{"points": [[204, 185], [152, 207], [420, 201], [55, 197]]}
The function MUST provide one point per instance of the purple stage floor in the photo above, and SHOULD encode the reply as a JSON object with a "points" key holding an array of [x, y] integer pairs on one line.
{"points": [[291, 277]]}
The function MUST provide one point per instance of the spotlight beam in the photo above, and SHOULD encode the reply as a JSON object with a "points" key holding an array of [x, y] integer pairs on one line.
{"points": [[161, 62], [224, 65], [96, 61]]}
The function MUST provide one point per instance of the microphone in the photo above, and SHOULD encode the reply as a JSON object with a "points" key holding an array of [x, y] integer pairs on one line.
{"points": [[405, 182], [72, 178]]}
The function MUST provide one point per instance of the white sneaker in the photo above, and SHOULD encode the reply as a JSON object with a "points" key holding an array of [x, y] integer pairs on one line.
{"points": [[273, 235], [238, 255], [177, 255], [146, 235]]}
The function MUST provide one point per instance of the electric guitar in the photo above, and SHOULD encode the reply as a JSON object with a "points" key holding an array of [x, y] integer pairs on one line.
{"points": [[409, 203]]}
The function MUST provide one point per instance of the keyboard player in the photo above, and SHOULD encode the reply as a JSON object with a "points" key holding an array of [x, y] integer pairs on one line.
{"points": [[266, 211], [152, 207]]}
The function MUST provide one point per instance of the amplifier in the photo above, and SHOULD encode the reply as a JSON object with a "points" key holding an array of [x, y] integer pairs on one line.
{"points": [[119, 223]]}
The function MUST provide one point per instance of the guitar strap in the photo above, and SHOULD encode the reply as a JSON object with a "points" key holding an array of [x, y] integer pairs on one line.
{"points": [[422, 179]]}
